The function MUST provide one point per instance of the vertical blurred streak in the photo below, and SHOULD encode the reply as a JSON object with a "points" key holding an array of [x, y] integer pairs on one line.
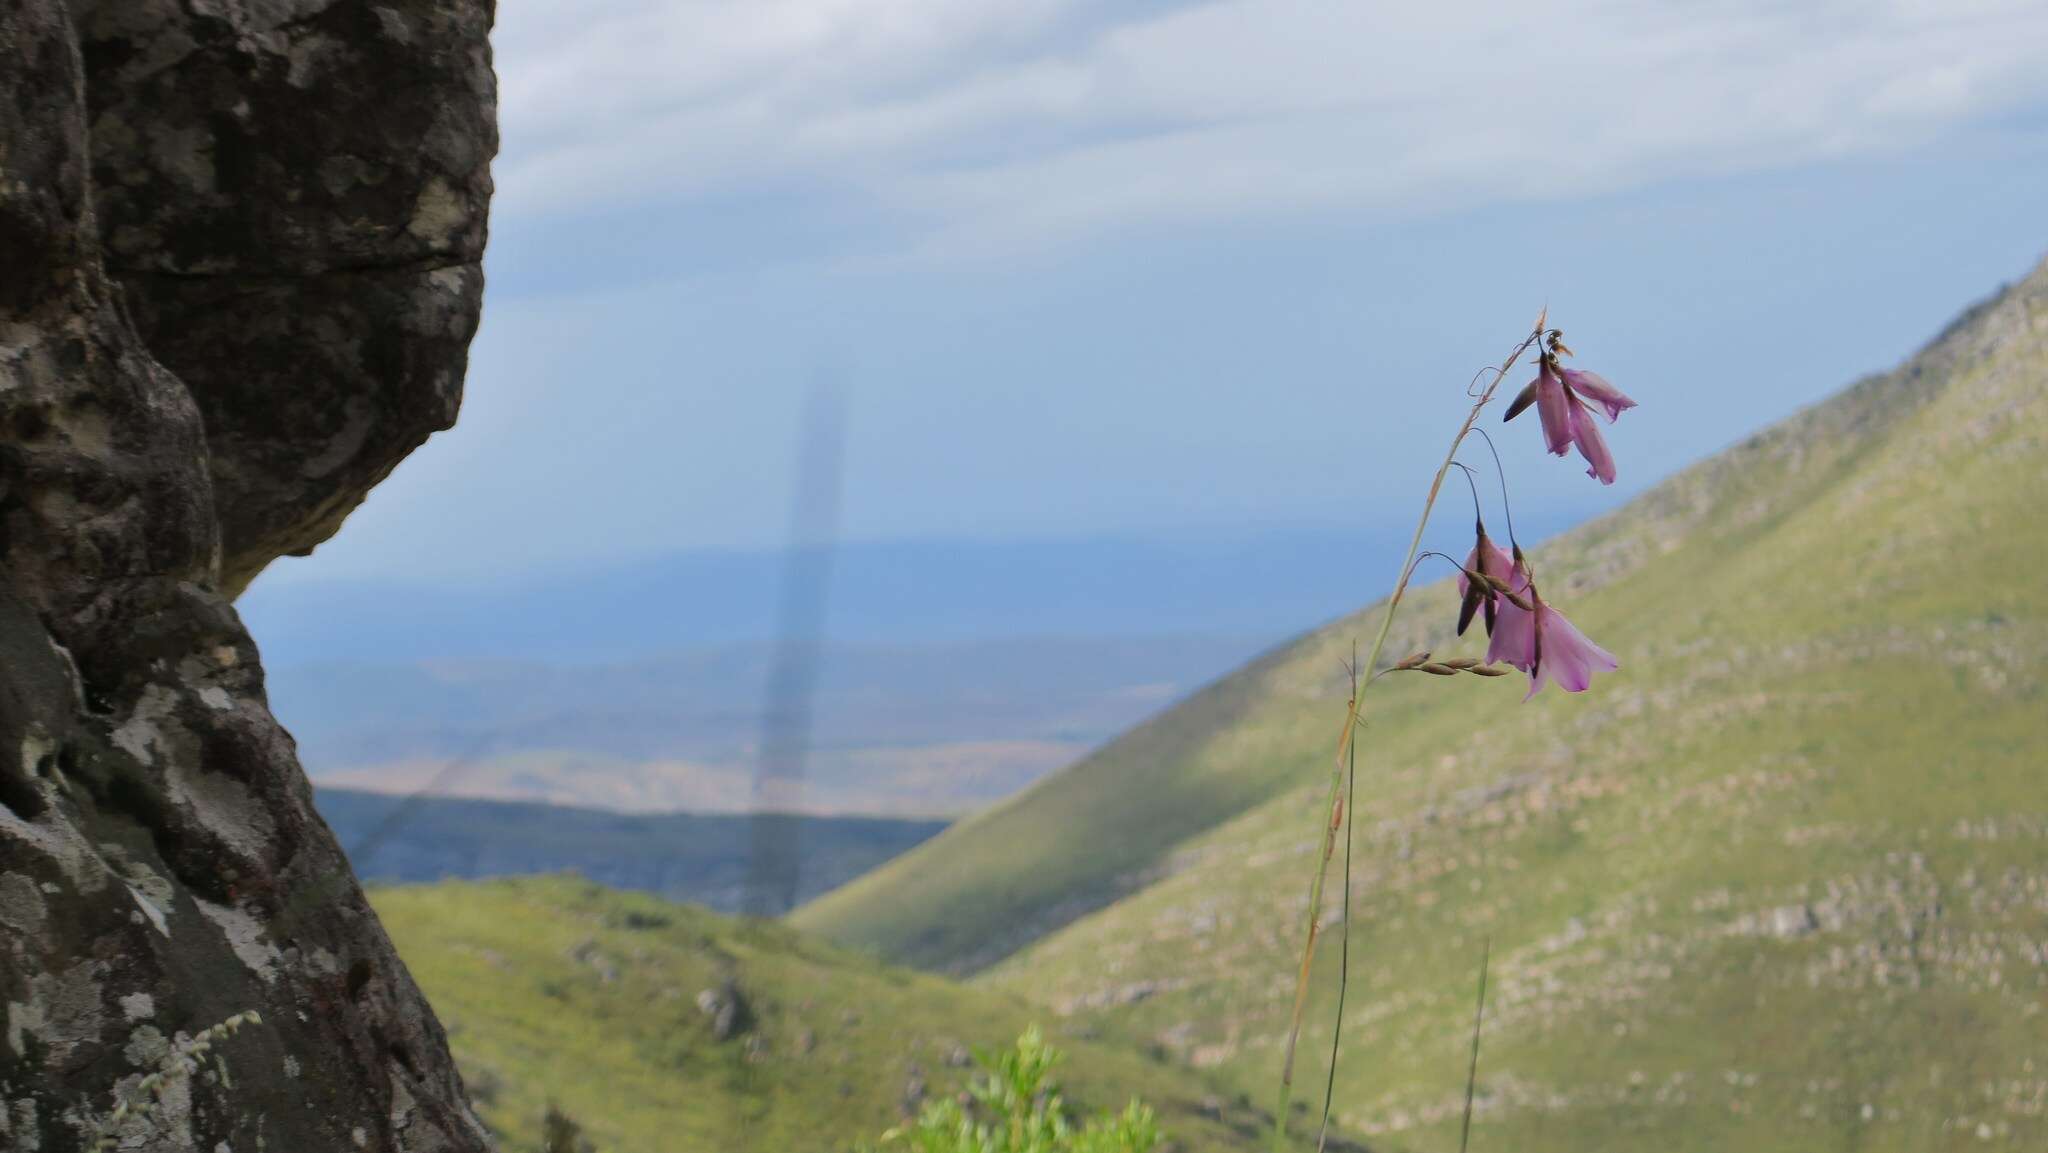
{"points": [[774, 850], [408, 806]]}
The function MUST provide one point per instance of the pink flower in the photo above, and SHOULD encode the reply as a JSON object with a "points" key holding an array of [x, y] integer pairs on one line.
{"points": [[1592, 445], [1565, 400], [1594, 387], [1544, 643], [1514, 633], [1487, 559], [1553, 407], [1566, 655]]}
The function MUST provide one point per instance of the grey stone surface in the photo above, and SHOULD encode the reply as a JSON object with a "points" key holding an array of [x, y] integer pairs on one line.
{"points": [[294, 195], [220, 323]]}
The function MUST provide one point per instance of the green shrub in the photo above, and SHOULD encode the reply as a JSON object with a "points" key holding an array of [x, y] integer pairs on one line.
{"points": [[561, 1134], [1015, 1106]]}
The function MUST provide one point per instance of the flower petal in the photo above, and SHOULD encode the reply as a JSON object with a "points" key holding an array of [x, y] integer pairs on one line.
{"points": [[1595, 388], [1498, 563], [1514, 637], [1514, 630], [1592, 446], [1555, 407], [1569, 658]]}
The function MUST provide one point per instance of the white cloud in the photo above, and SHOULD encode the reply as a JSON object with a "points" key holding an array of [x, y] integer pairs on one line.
{"points": [[1018, 117]]}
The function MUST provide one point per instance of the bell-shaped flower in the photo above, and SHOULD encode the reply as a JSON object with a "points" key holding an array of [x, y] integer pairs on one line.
{"points": [[1553, 407], [1593, 387], [1544, 643], [1514, 633], [1592, 445], [1565, 399], [1490, 560], [1565, 655]]}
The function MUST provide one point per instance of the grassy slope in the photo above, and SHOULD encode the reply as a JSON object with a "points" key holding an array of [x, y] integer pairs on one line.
{"points": [[557, 989], [1831, 715], [1005, 876]]}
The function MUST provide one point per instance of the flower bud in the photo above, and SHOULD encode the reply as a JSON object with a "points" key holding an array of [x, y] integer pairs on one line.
{"points": [[1523, 399]]}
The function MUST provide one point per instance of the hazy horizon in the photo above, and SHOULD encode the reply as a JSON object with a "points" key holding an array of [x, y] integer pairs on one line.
{"points": [[1083, 270]]}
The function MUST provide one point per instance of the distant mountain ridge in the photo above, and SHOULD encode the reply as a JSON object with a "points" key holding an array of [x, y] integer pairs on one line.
{"points": [[1258, 582], [923, 730], [1776, 884], [704, 859]]}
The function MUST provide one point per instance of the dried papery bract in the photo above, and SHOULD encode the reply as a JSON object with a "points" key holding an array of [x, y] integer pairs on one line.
{"points": [[1495, 585]]}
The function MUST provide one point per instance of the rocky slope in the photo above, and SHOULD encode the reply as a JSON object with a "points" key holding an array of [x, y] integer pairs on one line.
{"points": [[239, 268]]}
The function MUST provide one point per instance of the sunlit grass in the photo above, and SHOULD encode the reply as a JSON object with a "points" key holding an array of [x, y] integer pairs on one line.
{"points": [[555, 990]]}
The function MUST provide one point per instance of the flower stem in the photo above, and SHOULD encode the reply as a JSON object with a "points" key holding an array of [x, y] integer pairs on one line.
{"points": [[1472, 1071], [1336, 802], [1344, 954]]}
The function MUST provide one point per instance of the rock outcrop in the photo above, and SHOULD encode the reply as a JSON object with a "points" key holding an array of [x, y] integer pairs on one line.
{"points": [[239, 270]]}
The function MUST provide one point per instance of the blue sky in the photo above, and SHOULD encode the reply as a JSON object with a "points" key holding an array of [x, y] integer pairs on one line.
{"points": [[1086, 269]]}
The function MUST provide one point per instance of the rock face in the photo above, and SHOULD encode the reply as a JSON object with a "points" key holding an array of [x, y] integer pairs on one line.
{"points": [[239, 245], [293, 192]]}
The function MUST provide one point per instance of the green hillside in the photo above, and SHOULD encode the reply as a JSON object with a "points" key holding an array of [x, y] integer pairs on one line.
{"points": [[1781, 883], [557, 990]]}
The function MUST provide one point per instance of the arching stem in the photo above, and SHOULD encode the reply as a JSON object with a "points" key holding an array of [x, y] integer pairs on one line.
{"points": [[1337, 802]]}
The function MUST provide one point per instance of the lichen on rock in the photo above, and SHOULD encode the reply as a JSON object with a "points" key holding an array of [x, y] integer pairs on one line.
{"points": [[240, 247]]}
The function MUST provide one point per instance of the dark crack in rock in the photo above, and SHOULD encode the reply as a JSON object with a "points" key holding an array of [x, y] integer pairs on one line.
{"points": [[210, 346]]}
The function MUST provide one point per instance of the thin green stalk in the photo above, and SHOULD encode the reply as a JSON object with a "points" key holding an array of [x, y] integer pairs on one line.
{"points": [[1472, 1072], [1336, 802], [1344, 954]]}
